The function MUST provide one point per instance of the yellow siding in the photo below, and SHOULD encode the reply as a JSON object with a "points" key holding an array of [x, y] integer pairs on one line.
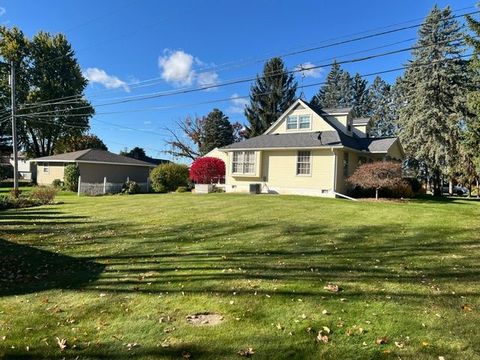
{"points": [[278, 173], [395, 151], [317, 123], [218, 154], [46, 173]]}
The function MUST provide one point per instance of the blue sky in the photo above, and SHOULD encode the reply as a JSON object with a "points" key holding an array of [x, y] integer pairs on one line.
{"points": [[186, 44]]}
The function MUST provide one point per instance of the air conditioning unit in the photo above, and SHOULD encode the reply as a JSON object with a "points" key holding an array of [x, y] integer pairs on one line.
{"points": [[255, 188]]}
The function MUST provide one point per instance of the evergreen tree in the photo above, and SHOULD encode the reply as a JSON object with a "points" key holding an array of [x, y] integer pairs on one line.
{"points": [[272, 94], [433, 86], [471, 136], [382, 111], [338, 90], [362, 102], [217, 131]]}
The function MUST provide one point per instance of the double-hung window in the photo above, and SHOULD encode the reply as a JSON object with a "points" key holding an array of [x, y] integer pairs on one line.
{"points": [[292, 122], [243, 162], [298, 122], [304, 163]]}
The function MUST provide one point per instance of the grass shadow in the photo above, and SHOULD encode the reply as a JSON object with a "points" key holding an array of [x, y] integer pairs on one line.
{"points": [[25, 269]]}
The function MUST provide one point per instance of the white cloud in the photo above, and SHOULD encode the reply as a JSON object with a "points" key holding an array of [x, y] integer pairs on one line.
{"points": [[208, 78], [307, 72], [177, 68], [238, 104], [2, 11], [99, 76]]}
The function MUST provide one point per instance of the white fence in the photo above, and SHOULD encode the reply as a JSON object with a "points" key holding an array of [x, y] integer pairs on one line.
{"points": [[106, 187]]}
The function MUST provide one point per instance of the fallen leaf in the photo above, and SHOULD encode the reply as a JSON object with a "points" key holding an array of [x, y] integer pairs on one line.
{"points": [[332, 288], [466, 308], [325, 312], [130, 346], [186, 355], [323, 335], [246, 352], [399, 344], [62, 343], [381, 340]]}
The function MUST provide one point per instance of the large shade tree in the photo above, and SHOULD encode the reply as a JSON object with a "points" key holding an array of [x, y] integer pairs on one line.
{"points": [[46, 69]]}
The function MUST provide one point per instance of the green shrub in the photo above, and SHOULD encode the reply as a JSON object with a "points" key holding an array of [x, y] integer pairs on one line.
{"points": [[130, 187], [43, 194], [57, 183], [168, 177], [72, 172], [22, 201], [182, 189]]}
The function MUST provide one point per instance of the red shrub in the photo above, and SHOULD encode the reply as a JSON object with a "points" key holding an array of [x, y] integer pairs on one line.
{"points": [[207, 170]]}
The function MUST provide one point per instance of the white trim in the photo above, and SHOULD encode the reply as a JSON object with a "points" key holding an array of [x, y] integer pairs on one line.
{"points": [[283, 148], [310, 164], [298, 129], [296, 102]]}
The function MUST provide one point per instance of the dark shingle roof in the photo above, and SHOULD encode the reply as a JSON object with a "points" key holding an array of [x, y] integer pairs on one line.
{"points": [[316, 139], [313, 140], [94, 155]]}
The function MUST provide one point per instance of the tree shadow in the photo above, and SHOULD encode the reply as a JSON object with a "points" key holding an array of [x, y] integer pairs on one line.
{"points": [[25, 269]]}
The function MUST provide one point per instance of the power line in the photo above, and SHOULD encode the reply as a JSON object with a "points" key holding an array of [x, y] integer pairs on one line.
{"points": [[315, 48], [225, 99], [77, 98], [337, 43], [228, 83]]}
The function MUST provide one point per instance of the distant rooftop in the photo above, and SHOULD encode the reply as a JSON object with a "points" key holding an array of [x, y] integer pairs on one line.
{"points": [[93, 156]]}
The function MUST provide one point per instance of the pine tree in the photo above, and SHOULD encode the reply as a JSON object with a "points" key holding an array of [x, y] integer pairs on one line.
{"points": [[362, 102], [471, 136], [338, 90], [433, 86], [217, 131], [382, 112], [270, 96]]}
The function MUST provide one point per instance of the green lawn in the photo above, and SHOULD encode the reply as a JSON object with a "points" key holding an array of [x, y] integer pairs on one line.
{"points": [[116, 277]]}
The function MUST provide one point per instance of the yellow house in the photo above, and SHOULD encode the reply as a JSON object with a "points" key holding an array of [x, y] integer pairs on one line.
{"points": [[307, 151]]}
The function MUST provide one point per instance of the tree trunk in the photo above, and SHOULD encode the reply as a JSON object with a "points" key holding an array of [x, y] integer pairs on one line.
{"points": [[437, 186], [478, 189], [450, 187], [376, 194]]}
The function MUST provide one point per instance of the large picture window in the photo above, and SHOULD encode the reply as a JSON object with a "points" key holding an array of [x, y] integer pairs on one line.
{"points": [[301, 122], [243, 162], [304, 163]]}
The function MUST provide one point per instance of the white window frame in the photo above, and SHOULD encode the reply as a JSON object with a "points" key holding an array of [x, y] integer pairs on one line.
{"points": [[244, 163], [297, 122], [301, 155], [46, 168]]}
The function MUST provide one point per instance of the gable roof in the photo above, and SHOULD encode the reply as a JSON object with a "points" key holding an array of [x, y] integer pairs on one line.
{"points": [[318, 139], [93, 156], [309, 140]]}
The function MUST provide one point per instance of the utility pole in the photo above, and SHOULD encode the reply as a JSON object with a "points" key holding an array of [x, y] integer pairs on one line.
{"points": [[14, 129]]}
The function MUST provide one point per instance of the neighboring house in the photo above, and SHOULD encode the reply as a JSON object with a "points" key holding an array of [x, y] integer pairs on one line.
{"points": [[307, 151], [26, 168], [94, 165], [153, 161]]}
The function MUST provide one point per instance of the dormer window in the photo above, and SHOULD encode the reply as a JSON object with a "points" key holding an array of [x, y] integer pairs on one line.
{"points": [[299, 122]]}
